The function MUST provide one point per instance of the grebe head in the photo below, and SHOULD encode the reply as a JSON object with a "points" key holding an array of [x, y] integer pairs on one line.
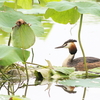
{"points": [[70, 45]]}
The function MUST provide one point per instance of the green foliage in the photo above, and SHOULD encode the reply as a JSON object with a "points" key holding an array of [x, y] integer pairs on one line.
{"points": [[45, 73], [3, 36], [69, 16], [11, 5], [2, 2], [59, 75], [69, 12], [7, 97], [52, 72], [64, 70], [82, 83], [95, 70], [88, 8], [25, 4], [10, 55], [77, 79], [82, 74], [47, 28], [44, 2], [8, 18], [23, 36]]}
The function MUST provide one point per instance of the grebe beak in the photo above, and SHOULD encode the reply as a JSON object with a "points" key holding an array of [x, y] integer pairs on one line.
{"points": [[62, 46]]}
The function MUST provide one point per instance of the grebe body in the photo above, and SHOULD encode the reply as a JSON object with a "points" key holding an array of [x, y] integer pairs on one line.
{"points": [[92, 62]]}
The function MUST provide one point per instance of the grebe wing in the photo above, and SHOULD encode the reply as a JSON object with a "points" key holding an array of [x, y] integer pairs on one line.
{"points": [[88, 59]]}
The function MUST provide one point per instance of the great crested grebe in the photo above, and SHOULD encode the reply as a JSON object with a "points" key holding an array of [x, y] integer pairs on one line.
{"points": [[92, 62]]}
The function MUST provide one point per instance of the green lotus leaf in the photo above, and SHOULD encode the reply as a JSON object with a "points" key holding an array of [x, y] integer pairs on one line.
{"points": [[64, 70], [23, 36], [69, 16], [25, 4], [69, 12], [10, 55], [8, 18], [44, 2], [82, 83]]}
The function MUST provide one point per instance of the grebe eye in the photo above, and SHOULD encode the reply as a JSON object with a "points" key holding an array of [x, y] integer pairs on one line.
{"points": [[65, 44]]}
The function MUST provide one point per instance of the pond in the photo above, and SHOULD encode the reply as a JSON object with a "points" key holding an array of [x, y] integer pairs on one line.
{"points": [[46, 50], [60, 33]]}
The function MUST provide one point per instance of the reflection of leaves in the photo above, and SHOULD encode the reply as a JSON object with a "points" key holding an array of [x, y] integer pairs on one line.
{"points": [[44, 73], [43, 76], [39, 78], [48, 88], [74, 78], [82, 82], [69, 89]]}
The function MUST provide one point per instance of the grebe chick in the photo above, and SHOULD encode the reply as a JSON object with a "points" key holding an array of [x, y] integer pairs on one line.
{"points": [[92, 62]]}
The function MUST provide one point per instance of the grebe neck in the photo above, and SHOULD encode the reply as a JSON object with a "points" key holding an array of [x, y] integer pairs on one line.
{"points": [[72, 48], [68, 60]]}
